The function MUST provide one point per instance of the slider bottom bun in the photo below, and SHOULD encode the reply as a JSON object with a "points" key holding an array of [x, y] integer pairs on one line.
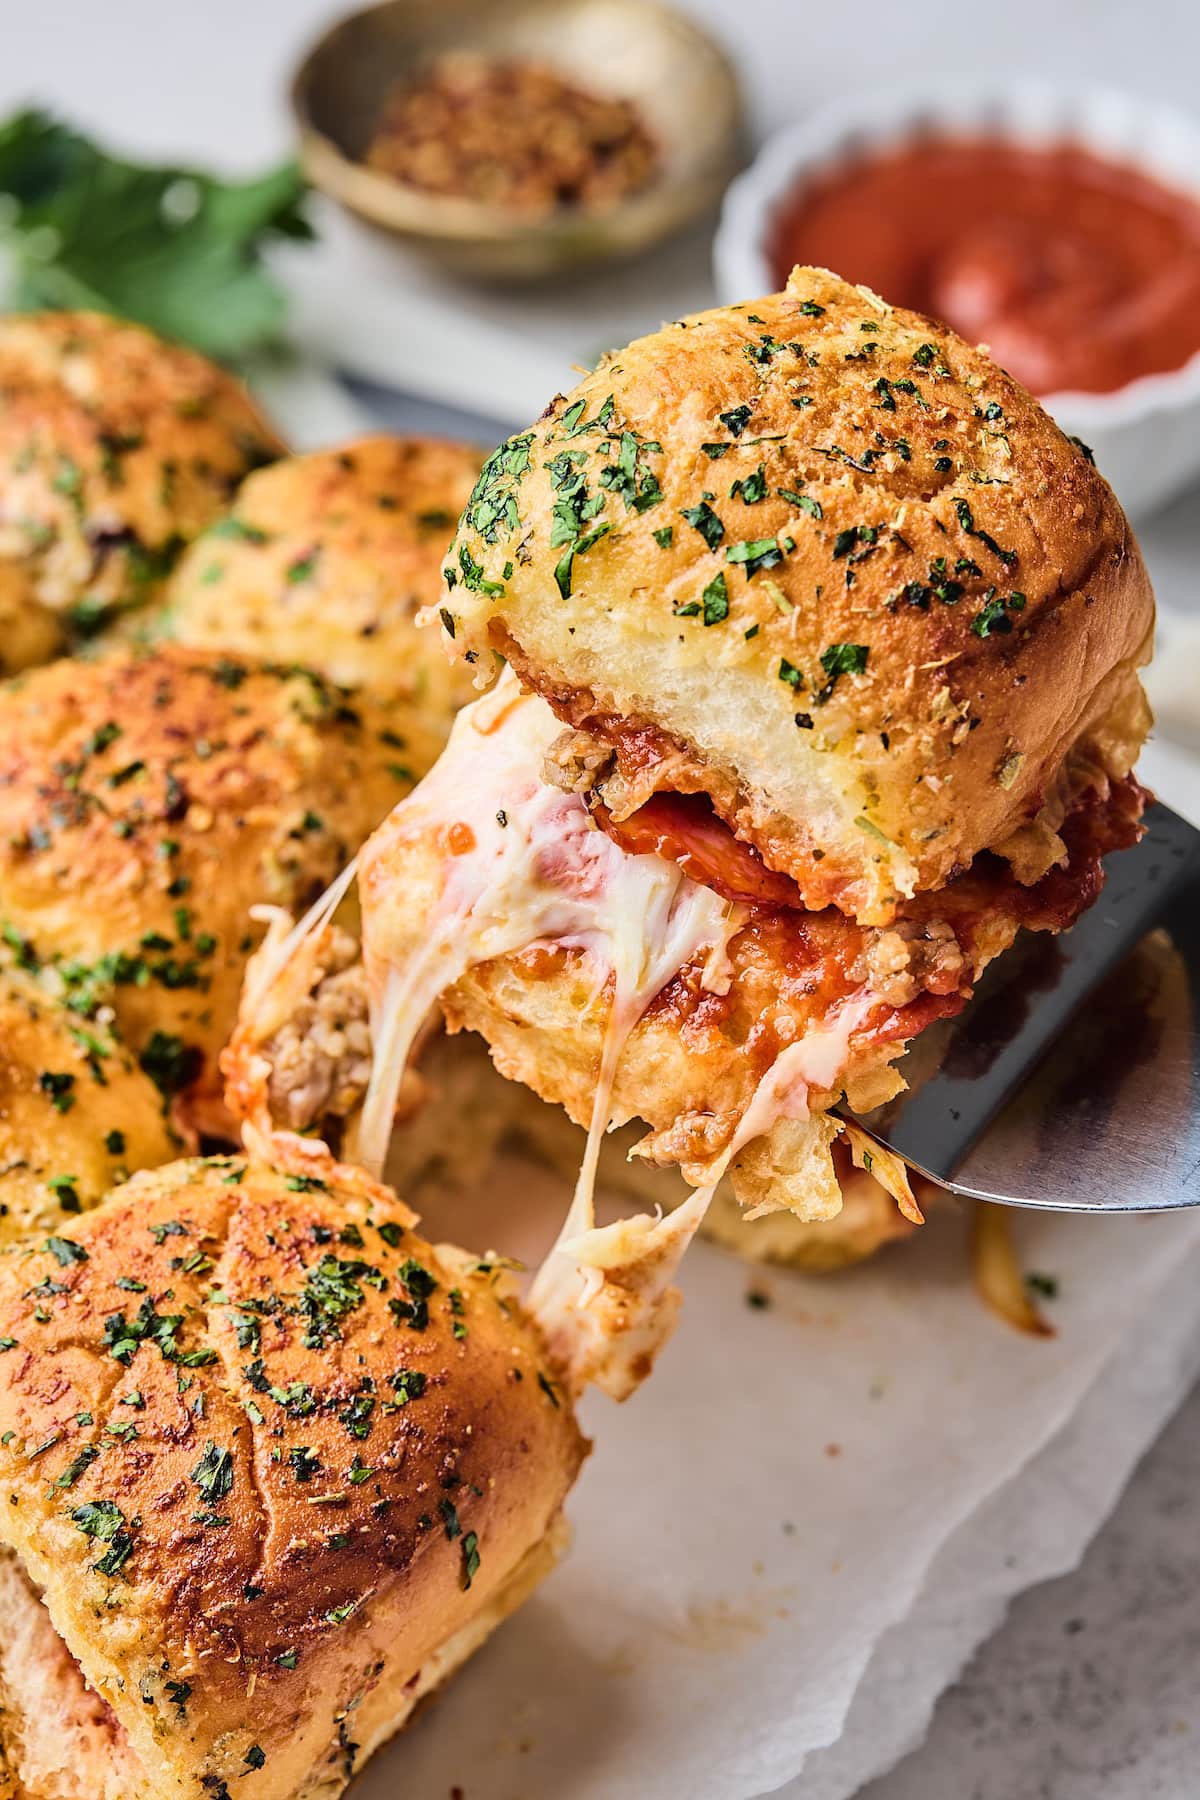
{"points": [[692, 1063], [457, 1113], [271, 1466]]}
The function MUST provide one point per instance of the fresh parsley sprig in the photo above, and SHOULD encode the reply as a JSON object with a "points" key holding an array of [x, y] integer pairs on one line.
{"points": [[174, 248]]}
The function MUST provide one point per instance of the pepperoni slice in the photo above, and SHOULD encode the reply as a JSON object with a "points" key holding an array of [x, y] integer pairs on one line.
{"points": [[684, 828]]}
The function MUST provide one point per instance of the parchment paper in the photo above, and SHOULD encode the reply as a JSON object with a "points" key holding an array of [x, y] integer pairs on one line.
{"points": [[751, 1526]]}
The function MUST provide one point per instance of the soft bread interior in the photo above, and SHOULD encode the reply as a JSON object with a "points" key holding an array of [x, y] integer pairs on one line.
{"points": [[60, 1741], [706, 707]]}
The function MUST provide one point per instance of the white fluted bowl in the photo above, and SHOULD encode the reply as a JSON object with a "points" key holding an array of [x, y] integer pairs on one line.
{"points": [[1145, 435]]}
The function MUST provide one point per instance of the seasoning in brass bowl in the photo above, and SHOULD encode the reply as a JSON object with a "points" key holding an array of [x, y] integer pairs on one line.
{"points": [[519, 140], [512, 134]]}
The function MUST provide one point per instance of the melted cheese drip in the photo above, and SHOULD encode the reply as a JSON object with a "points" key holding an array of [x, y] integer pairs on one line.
{"points": [[280, 946], [524, 865], [535, 871]]}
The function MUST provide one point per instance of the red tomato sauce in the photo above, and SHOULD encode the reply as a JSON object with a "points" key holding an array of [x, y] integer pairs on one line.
{"points": [[1075, 272]]}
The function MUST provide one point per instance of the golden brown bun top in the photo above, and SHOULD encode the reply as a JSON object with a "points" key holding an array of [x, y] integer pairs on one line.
{"points": [[76, 1112], [327, 558], [257, 1437], [147, 801], [823, 560], [115, 449]]}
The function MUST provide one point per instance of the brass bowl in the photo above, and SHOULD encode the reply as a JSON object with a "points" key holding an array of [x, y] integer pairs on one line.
{"points": [[682, 84]]}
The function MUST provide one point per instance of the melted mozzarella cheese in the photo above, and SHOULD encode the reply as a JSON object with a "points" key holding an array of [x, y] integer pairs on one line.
{"points": [[814, 1061], [520, 864], [525, 866]]}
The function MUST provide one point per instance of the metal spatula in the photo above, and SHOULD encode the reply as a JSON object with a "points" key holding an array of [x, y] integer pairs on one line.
{"points": [[1072, 1079]]}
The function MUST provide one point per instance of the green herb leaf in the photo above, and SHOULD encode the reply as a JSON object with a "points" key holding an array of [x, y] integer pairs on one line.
{"points": [[304, 1462], [473, 576], [492, 507], [75, 1469], [65, 1251], [967, 520], [629, 476], [573, 421], [757, 553], [736, 419], [706, 522], [751, 488], [420, 1284], [239, 529], [992, 620], [104, 1522], [213, 1474], [174, 248], [450, 1522], [837, 660], [715, 601], [408, 1384], [844, 659], [58, 1087], [565, 565], [330, 1292]]}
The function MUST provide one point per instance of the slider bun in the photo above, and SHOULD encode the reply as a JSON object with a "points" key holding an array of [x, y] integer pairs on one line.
{"points": [[691, 1082], [147, 801], [895, 461], [326, 559], [327, 1523], [115, 450], [76, 1112]]}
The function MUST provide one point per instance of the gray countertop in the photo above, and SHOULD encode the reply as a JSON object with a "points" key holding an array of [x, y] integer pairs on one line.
{"points": [[1090, 1687]]}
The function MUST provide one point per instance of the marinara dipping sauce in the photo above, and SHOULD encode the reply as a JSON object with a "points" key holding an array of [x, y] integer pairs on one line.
{"points": [[1075, 272]]}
